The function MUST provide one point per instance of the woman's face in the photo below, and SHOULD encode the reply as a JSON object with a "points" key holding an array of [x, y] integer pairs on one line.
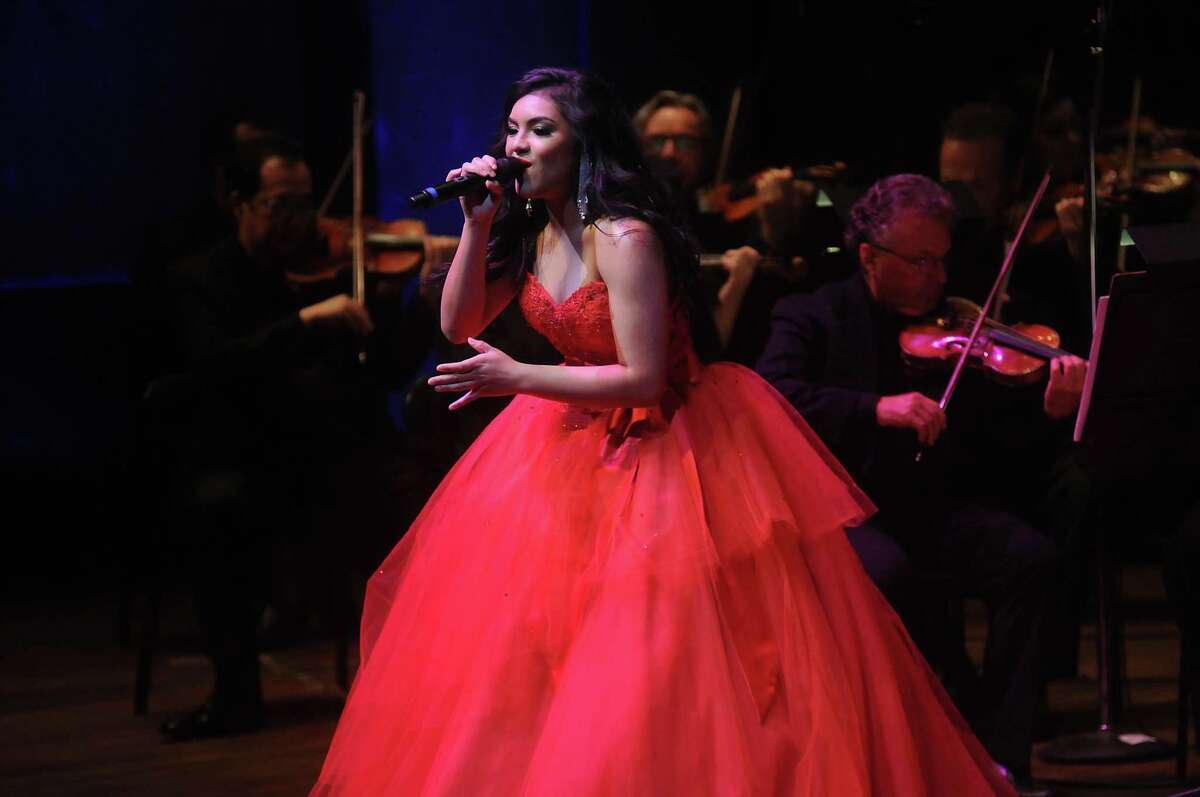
{"points": [[539, 134]]}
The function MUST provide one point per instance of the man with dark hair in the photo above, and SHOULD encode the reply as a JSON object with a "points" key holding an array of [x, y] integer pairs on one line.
{"points": [[835, 356], [1026, 457], [977, 154], [286, 433], [207, 219], [981, 151], [979, 142]]}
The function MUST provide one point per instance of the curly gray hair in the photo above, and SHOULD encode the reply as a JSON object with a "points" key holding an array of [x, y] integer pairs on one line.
{"points": [[872, 216]]}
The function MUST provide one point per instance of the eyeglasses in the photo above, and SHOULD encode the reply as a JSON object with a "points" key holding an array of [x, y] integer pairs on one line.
{"points": [[683, 143], [284, 204], [922, 263]]}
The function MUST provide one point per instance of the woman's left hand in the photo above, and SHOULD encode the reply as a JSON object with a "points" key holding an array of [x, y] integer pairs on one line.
{"points": [[489, 373]]}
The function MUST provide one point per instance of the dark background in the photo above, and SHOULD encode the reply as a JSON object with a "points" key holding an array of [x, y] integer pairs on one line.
{"points": [[108, 108]]}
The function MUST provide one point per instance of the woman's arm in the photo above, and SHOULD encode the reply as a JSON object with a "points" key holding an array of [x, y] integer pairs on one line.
{"points": [[630, 262], [469, 301]]}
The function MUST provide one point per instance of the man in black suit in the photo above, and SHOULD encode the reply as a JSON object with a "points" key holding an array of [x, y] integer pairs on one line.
{"points": [[285, 433], [835, 355]]}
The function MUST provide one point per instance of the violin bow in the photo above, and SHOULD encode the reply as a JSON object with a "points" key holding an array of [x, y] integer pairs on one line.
{"points": [[952, 384], [1035, 125], [1039, 109], [735, 103], [343, 170], [735, 109], [356, 241]]}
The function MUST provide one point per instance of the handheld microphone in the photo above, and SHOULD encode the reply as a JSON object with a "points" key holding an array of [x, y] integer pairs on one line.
{"points": [[506, 169]]}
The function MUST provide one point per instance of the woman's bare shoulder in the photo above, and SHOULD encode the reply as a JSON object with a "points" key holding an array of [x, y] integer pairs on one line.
{"points": [[625, 236]]}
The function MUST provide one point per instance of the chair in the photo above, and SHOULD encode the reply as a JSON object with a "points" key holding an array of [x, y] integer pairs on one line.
{"points": [[163, 410]]}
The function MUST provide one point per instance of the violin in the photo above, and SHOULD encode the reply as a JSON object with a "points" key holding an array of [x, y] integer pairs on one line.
{"points": [[1166, 171], [960, 351], [1110, 195], [1010, 355], [363, 244], [792, 269], [390, 248], [737, 200]]}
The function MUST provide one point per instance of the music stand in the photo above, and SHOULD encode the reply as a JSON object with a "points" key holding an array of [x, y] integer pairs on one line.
{"points": [[1139, 416]]}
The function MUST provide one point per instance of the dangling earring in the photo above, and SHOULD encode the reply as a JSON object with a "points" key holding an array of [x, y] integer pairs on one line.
{"points": [[529, 208], [585, 181]]}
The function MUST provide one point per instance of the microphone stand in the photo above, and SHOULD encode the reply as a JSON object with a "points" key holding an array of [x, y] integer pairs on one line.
{"points": [[1113, 741], [1096, 48]]}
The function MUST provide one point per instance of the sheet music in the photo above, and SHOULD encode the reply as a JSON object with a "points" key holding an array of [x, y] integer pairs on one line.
{"points": [[1090, 379]]}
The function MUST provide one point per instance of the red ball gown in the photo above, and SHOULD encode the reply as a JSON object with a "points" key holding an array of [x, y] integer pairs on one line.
{"points": [[654, 601]]}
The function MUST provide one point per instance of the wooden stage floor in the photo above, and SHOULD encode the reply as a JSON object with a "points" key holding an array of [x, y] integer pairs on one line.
{"points": [[67, 727]]}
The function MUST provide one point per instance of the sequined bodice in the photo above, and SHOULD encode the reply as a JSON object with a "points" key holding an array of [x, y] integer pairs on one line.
{"points": [[581, 328]]}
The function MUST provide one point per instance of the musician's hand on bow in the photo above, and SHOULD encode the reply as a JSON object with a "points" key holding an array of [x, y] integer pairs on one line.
{"points": [[775, 187], [1065, 386], [782, 202], [912, 411], [740, 265], [1070, 221], [491, 372]]}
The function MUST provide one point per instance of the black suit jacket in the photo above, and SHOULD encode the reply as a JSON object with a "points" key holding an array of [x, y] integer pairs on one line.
{"points": [[262, 384], [832, 355], [822, 355]]}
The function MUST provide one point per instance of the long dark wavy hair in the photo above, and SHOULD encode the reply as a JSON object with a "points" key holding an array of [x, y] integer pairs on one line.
{"points": [[620, 187]]}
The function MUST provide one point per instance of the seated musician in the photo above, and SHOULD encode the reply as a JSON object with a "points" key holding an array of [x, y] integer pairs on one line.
{"points": [[834, 354], [1027, 459], [206, 220], [287, 433], [677, 132], [981, 150]]}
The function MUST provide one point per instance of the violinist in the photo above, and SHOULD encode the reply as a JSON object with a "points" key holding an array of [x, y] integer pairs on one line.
{"points": [[1013, 452], [206, 220], [676, 130], [1059, 146], [834, 354], [981, 150], [286, 433]]}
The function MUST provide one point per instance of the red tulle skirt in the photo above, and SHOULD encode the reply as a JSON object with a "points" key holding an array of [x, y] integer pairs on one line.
{"points": [[644, 603]]}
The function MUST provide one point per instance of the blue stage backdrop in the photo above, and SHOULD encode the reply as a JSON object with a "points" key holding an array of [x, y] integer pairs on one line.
{"points": [[440, 71], [106, 112]]}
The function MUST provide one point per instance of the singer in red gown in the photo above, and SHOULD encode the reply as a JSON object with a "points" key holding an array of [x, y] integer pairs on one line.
{"points": [[636, 581]]}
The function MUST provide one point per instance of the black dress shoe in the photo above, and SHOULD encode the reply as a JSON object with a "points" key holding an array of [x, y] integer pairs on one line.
{"points": [[209, 721]]}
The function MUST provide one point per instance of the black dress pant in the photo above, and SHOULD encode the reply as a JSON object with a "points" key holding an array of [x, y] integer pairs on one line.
{"points": [[337, 511], [228, 522], [981, 551]]}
